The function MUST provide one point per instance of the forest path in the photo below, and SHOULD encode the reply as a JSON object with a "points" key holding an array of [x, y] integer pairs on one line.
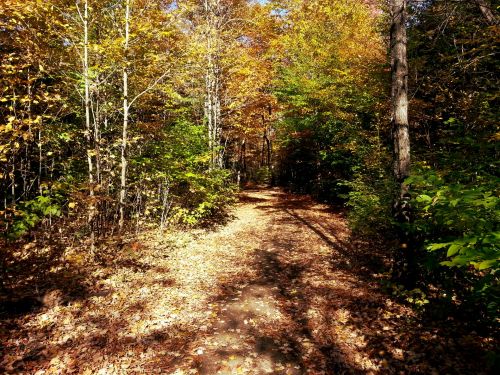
{"points": [[282, 288], [287, 309]]}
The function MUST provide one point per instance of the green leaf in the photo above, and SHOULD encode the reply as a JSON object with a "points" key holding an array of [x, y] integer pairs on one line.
{"points": [[437, 246], [486, 264], [454, 248], [424, 198], [447, 263]]}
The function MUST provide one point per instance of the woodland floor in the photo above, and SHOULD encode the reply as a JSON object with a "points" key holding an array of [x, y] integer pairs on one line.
{"points": [[281, 288]]}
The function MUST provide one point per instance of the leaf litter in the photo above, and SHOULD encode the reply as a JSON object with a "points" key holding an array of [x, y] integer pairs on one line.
{"points": [[283, 288]]}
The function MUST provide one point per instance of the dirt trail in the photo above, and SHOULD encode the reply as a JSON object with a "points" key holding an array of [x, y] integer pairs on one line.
{"points": [[281, 289], [279, 314]]}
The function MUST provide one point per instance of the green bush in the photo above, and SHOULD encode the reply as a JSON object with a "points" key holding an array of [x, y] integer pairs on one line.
{"points": [[199, 196], [262, 176], [173, 177], [460, 224], [463, 218], [28, 214], [369, 202]]}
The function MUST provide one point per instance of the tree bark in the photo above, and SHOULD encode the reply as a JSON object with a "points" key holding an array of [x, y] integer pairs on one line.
{"points": [[243, 157], [123, 178], [87, 104], [213, 111], [87, 94], [269, 150], [404, 265], [399, 65]]}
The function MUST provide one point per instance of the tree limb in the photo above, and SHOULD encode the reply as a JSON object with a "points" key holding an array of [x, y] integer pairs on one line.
{"points": [[150, 87]]}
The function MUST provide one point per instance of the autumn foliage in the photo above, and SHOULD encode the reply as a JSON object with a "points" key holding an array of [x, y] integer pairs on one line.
{"points": [[124, 118]]}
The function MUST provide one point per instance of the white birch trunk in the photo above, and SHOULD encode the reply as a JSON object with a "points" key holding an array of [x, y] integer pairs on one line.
{"points": [[88, 136], [87, 94], [123, 179]]}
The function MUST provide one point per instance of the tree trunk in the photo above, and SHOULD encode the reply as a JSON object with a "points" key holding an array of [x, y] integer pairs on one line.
{"points": [[243, 157], [123, 182], [40, 160], [213, 112], [399, 65], [263, 150], [87, 95], [404, 263], [269, 150], [219, 162], [88, 134]]}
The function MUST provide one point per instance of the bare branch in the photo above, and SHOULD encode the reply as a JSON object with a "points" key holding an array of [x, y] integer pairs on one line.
{"points": [[150, 87]]}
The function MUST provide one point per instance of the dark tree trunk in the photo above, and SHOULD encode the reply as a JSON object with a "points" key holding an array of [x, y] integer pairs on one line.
{"points": [[243, 156], [263, 151], [399, 65], [269, 150]]}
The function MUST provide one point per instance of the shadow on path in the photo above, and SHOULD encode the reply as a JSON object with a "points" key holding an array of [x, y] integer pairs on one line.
{"points": [[313, 305], [282, 288]]}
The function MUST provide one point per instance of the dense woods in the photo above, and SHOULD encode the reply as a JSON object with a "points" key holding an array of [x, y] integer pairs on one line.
{"points": [[119, 117]]}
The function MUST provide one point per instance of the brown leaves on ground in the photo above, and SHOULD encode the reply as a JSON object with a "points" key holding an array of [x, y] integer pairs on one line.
{"points": [[281, 289]]}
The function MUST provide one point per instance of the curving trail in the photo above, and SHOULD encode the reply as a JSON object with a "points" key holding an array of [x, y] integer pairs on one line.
{"points": [[282, 288]]}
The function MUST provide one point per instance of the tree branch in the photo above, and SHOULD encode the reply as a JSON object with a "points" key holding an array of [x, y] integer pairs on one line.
{"points": [[150, 87]]}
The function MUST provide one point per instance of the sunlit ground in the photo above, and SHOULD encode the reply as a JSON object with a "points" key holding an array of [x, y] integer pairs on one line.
{"points": [[281, 289]]}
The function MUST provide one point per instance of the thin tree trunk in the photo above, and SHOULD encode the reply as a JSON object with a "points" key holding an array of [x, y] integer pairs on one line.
{"points": [[263, 150], [404, 265], [88, 135], [213, 112], [218, 121], [208, 81], [40, 160], [97, 135], [269, 150], [244, 157], [165, 204], [13, 180], [27, 167], [123, 187], [87, 95]]}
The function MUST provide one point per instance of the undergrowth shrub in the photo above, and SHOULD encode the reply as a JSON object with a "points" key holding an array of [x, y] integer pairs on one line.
{"points": [[369, 200], [174, 183], [199, 197], [262, 176], [26, 215], [459, 221]]}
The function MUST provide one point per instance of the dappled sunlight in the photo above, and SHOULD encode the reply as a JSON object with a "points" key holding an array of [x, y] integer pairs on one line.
{"points": [[283, 288], [291, 187]]}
